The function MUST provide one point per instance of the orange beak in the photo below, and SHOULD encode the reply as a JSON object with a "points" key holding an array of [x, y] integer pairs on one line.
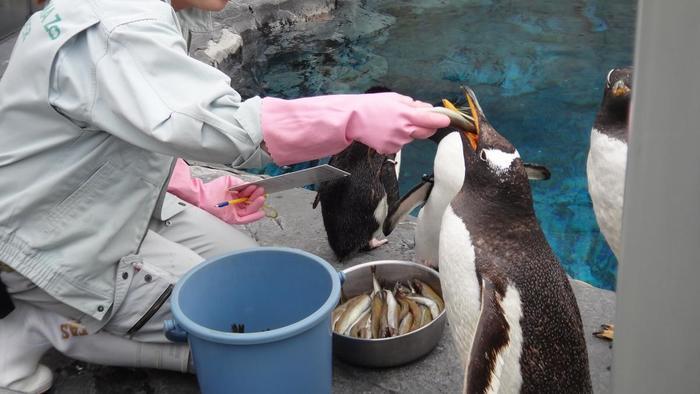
{"points": [[472, 135], [620, 89]]}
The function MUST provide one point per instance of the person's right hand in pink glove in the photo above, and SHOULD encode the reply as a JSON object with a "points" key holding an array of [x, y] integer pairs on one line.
{"points": [[314, 127], [243, 212]]}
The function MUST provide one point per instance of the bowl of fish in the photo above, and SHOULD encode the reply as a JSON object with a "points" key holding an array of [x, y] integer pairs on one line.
{"points": [[391, 313]]}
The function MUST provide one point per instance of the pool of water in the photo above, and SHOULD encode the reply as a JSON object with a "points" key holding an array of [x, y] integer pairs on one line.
{"points": [[538, 68]]}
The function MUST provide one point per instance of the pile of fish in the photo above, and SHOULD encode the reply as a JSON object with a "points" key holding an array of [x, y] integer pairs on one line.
{"points": [[384, 313]]}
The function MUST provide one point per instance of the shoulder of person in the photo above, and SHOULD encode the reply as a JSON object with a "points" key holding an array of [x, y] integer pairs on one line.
{"points": [[113, 14]]}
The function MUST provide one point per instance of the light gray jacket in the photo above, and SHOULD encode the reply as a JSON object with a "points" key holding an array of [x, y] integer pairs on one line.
{"points": [[98, 98]]}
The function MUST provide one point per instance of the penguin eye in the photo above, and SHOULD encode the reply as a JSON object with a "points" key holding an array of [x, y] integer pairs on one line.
{"points": [[482, 155]]}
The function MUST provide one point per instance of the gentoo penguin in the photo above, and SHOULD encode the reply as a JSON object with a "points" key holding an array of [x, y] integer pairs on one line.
{"points": [[355, 208], [448, 176], [511, 307], [607, 161], [607, 157], [436, 185]]}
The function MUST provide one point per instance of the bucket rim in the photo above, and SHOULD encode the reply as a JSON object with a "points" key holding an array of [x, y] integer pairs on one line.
{"points": [[277, 334]]}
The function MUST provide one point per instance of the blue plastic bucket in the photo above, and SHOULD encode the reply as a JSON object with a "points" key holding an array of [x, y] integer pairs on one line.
{"points": [[283, 298]]}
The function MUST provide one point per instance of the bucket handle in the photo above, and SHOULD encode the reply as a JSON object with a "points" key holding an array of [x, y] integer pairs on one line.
{"points": [[341, 275], [173, 331]]}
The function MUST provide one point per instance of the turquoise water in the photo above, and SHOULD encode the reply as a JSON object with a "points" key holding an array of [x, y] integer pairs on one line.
{"points": [[538, 68]]}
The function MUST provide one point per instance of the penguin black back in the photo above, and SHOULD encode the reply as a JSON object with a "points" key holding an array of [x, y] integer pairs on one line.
{"points": [[354, 207], [527, 315]]}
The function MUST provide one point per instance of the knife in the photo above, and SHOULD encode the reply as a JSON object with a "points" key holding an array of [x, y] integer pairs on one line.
{"points": [[294, 179]]}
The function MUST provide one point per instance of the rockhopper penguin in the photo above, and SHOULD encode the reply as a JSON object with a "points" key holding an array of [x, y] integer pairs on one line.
{"points": [[355, 208], [511, 307]]}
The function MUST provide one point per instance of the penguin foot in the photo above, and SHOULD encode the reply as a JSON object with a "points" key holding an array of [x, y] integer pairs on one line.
{"points": [[375, 243], [430, 264], [607, 331]]}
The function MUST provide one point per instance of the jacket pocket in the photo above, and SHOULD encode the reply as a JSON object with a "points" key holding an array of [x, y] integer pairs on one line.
{"points": [[146, 302], [78, 207]]}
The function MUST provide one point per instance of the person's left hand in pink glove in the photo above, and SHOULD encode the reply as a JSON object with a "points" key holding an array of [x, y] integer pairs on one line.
{"points": [[208, 195]]}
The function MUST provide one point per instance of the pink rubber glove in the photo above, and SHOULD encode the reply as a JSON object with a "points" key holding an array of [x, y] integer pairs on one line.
{"points": [[207, 195], [314, 127]]}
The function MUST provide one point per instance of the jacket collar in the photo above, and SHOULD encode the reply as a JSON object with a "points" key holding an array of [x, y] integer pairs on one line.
{"points": [[194, 20]]}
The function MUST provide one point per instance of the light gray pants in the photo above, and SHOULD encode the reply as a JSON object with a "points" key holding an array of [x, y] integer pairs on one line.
{"points": [[172, 246]]}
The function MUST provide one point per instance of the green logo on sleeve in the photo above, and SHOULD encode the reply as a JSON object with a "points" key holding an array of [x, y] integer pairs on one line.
{"points": [[51, 21]]}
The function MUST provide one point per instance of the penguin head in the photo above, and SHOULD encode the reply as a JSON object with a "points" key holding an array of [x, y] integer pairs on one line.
{"points": [[493, 166], [618, 86], [613, 115]]}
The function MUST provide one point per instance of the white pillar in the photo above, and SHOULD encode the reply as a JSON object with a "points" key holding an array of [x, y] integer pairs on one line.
{"points": [[657, 338]]}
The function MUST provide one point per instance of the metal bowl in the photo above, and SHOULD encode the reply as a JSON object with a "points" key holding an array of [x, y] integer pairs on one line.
{"points": [[388, 352]]}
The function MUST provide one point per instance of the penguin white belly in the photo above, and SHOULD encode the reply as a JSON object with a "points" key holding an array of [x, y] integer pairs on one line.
{"points": [[397, 167], [380, 213], [460, 287], [605, 168], [448, 174], [427, 239], [428, 229], [506, 376]]}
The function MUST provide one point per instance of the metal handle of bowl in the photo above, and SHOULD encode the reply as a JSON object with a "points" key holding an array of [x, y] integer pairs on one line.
{"points": [[173, 332]]}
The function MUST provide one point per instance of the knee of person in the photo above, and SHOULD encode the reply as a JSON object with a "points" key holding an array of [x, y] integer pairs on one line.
{"points": [[230, 240]]}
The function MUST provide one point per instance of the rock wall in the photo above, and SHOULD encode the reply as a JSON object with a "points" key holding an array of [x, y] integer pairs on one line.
{"points": [[231, 45]]}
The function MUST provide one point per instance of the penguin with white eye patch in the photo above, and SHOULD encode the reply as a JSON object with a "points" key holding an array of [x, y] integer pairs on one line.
{"points": [[447, 179], [607, 156], [448, 174], [607, 162], [511, 307]]}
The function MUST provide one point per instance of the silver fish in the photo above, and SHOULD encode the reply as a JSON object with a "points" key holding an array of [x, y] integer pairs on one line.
{"points": [[406, 324], [428, 291], [434, 310], [415, 311], [375, 283], [425, 317], [392, 314], [377, 307], [356, 306], [366, 329], [354, 330], [337, 313]]}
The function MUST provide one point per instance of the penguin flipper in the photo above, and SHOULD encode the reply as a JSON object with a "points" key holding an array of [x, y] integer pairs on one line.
{"points": [[537, 172], [415, 197], [490, 339], [607, 331]]}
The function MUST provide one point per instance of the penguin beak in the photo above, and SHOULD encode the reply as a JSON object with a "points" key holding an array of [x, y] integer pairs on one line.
{"points": [[473, 136], [620, 89], [472, 131]]}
